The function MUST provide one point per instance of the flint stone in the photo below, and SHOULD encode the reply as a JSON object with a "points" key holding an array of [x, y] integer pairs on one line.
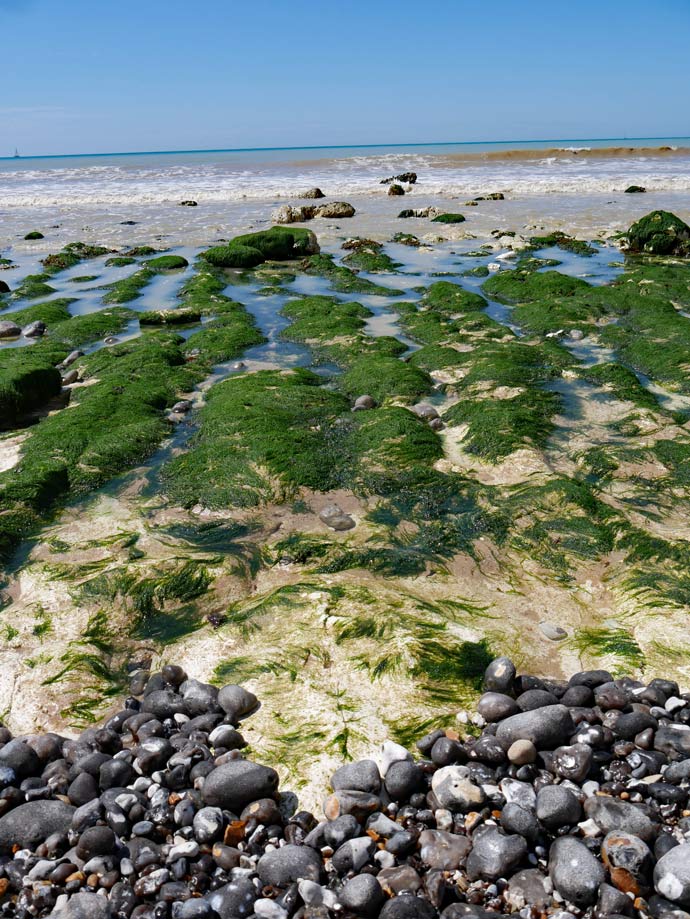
{"points": [[403, 779], [672, 875], [30, 824], [353, 854], [520, 820], [572, 762], [335, 518], [407, 907], [455, 790], [235, 900], [21, 758], [362, 895], [236, 701], [612, 815], [673, 740], [547, 727], [288, 864], [499, 675], [444, 851], [495, 706], [360, 776], [557, 806], [84, 906], [624, 850], [358, 803], [574, 871], [526, 888], [237, 783], [494, 854]]}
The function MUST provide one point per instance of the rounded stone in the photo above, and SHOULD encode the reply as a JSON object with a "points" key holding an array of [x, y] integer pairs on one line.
{"points": [[237, 783], [547, 727], [499, 675], [30, 824], [494, 854], [407, 906], [495, 706], [288, 864], [234, 899], [403, 779], [522, 752], [575, 872], [236, 701], [455, 790], [557, 806], [362, 895], [672, 875], [359, 776]]}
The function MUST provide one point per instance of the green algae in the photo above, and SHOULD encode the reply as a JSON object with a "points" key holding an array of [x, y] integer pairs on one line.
{"points": [[342, 279], [111, 424], [166, 263], [34, 234], [127, 289], [139, 251], [561, 241], [597, 642], [496, 428], [179, 316], [449, 218], [262, 436], [119, 261], [385, 379], [91, 665], [252, 249], [621, 382], [370, 258], [659, 233]]}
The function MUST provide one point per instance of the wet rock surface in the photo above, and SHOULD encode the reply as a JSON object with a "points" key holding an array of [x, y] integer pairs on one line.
{"points": [[559, 810]]}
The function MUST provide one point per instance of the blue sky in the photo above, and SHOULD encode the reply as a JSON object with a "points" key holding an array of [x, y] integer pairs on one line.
{"points": [[85, 76]]}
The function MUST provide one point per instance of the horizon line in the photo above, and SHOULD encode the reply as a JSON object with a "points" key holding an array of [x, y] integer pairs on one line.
{"points": [[436, 143]]}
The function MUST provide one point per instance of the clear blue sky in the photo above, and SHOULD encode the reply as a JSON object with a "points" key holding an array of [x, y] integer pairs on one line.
{"points": [[115, 75]]}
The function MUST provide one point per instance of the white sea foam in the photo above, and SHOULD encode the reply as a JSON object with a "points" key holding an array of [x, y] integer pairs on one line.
{"points": [[219, 179]]}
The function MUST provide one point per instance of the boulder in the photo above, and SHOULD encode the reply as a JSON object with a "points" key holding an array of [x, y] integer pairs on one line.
{"points": [[237, 783], [335, 518], [575, 872], [284, 866], [672, 875], [29, 824], [659, 233], [547, 727], [9, 329]]}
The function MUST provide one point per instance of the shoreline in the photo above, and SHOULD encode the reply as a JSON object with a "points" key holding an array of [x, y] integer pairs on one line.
{"points": [[585, 216]]}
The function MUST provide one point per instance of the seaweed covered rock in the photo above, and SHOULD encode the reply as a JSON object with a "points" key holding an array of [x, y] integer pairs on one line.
{"points": [[635, 190], [395, 189], [167, 263], [449, 218], [252, 249], [34, 234], [659, 233], [312, 193]]}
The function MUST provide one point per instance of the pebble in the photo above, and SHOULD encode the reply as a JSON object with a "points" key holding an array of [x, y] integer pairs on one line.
{"points": [[573, 797]]}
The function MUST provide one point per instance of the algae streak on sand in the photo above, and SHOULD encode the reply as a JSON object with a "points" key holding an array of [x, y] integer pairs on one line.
{"points": [[490, 509]]}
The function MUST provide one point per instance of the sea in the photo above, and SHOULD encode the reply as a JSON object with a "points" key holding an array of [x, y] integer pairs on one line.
{"points": [[575, 183]]}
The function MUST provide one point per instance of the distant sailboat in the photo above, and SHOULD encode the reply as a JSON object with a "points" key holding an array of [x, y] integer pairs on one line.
{"points": [[16, 154]]}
